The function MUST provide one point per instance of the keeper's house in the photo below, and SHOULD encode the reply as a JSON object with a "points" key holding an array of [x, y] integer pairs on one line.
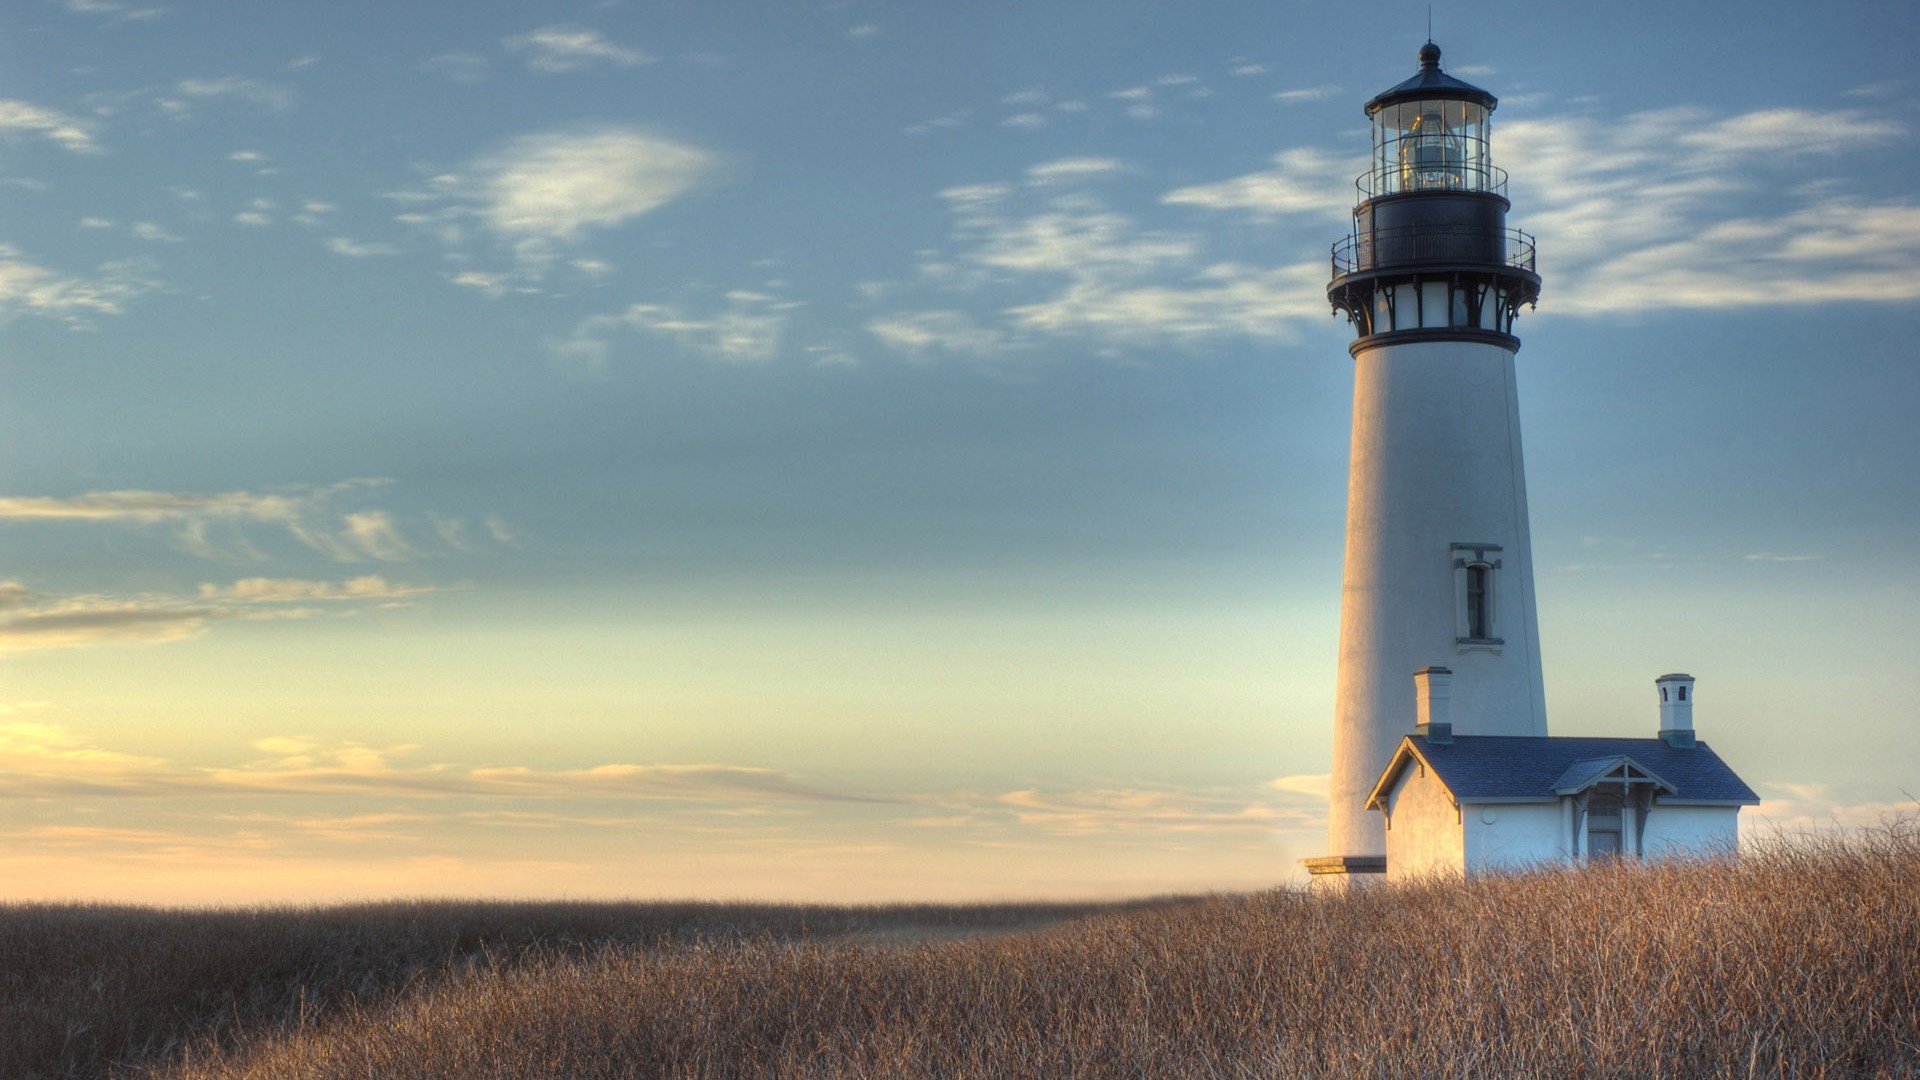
{"points": [[1474, 803]]}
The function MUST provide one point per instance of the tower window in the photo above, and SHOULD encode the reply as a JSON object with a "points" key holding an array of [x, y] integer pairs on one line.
{"points": [[1683, 693], [1477, 602], [1476, 595]]}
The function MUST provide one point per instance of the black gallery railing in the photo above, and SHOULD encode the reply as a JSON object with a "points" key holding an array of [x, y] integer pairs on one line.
{"points": [[1429, 245]]}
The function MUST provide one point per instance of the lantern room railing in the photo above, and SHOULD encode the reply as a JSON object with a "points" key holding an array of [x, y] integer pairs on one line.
{"points": [[1396, 177], [1433, 245]]}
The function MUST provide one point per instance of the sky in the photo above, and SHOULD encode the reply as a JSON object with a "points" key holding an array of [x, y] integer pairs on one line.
{"points": [[867, 451]]}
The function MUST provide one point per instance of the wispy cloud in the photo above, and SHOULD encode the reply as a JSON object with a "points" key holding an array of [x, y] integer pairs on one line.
{"points": [[32, 621], [457, 67], [30, 289], [25, 118], [268, 96], [1073, 169], [558, 49], [261, 590], [1306, 93], [1303, 181], [40, 760], [1068, 265], [115, 11], [1679, 208], [147, 230], [542, 194], [927, 334], [557, 186], [1800, 807], [217, 525], [355, 249], [1163, 810], [746, 326]]}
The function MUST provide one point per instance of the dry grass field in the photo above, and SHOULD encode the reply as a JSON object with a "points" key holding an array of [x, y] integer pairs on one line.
{"points": [[1802, 959]]}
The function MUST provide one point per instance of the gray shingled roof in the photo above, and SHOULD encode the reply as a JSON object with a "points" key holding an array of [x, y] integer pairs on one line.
{"points": [[1526, 767]]}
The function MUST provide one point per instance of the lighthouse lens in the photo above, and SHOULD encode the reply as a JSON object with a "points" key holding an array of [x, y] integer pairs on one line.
{"points": [[1438, 145]]}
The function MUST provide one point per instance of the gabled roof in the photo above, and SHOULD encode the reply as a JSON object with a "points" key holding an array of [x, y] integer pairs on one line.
{"points": [[1515, 768], [1582, 775]]}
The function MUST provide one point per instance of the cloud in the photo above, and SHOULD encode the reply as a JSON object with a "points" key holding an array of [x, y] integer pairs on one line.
{"points": [[1072, 170], [1312, 785], [147, 230], [557, 49], [1156, 811], [263, 95], [1816, 808], [745, 327], [216, 525], [354, 249], [541, 194], [114, 11], [30, 289], [1679, 208], [457, 67], [1027, 121], [1304, 181], [1064, 264], [1306, 93], [921, 333], [557, 186], [261, 590], [25, 118], [31, 621], [44, 760]]}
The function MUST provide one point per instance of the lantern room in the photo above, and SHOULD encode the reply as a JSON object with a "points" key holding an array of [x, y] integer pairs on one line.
{"points": [[1430, 252], [1430, 134]]}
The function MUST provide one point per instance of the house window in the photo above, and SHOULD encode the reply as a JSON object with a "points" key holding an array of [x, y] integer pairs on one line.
{"points": [[1476, 592]]}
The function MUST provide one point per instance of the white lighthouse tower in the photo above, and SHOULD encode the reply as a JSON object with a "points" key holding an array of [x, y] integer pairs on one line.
{"points": [[1439, 567]]}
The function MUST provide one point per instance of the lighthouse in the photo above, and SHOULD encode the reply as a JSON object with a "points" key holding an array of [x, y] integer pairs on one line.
{"points": [[1439, 565]]}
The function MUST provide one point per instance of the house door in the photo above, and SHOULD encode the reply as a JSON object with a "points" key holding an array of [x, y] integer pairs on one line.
{"points": [[1603, 825]]}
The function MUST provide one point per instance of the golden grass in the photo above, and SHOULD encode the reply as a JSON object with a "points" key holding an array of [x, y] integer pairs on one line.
{"points": [[1801, 959]]}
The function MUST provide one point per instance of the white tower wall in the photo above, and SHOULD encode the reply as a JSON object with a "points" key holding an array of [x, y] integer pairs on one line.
{"points": [[1435, 479]]}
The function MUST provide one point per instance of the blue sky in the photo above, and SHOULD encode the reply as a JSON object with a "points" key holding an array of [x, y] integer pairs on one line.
{"points": [[865, 450]]}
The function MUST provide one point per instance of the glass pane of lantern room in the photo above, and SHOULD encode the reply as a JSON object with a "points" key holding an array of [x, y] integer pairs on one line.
{"points": [[1473, 138], [1388, 130]]}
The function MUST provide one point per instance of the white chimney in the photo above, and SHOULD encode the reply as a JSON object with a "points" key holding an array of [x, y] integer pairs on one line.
{"points": [[1676, 710], [1433, 693]]}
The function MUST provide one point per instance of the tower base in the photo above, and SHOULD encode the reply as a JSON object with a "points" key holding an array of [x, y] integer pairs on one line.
{"points": [[1337, 875]]}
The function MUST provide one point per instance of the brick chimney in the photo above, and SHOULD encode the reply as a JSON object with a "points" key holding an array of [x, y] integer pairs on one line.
{"points": [[1433, 693], [1676, 710]]}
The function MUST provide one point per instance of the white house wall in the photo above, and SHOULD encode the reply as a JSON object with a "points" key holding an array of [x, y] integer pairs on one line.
{"points": [[1690, 830], [1424, 837], [1509, 836]]}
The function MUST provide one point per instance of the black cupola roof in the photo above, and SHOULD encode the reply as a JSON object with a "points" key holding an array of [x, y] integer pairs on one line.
{"points": [[1431, 82]]}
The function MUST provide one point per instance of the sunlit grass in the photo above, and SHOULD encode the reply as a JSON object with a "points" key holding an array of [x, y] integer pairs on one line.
{"points": [[1801, 959]]}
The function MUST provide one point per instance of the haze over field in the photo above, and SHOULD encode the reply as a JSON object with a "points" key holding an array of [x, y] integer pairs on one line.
{"points": [[867, 451]]}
